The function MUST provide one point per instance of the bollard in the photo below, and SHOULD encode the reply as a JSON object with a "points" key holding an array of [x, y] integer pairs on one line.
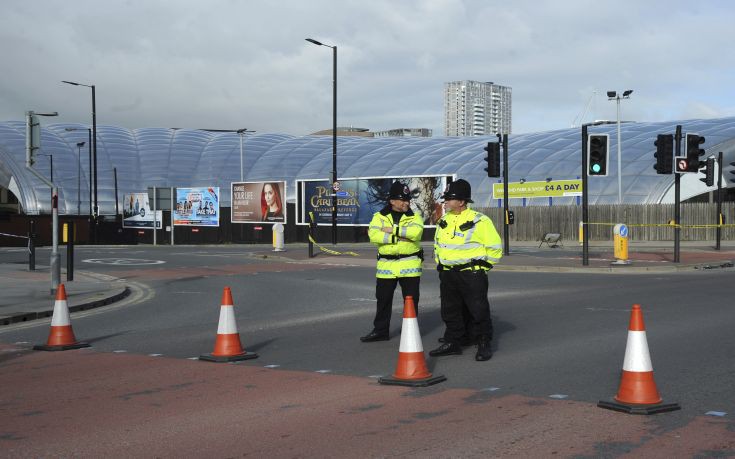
{"points": [[620, 242], [70, 233], [31, 247], [278, 238], [312, 234]]}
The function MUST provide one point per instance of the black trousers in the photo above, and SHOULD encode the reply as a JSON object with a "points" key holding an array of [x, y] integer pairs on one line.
{"points": [[464, 292], [384, 289]]}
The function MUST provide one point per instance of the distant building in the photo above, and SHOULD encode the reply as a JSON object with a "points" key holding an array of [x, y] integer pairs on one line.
{"points": [[474, 108], [404, 132], [347, 131]]}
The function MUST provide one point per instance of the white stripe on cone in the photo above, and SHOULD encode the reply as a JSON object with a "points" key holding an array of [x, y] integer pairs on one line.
{"points": [[410, 336], [227, 323], [637, 357], [61, 314]]}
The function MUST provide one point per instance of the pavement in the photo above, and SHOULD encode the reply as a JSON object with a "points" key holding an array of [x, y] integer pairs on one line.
{"points": [[26, 295]]}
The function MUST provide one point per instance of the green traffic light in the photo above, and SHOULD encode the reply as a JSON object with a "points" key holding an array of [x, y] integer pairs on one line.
{"points": [[596, 168]]}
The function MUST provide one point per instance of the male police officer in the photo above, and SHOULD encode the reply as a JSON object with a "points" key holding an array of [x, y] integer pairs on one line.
{"points": [[466, 246], [397, 232]]}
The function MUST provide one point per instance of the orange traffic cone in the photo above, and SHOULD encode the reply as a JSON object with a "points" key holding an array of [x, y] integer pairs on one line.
{"points": [[61, 336], [411, 368], [227, 347], [637, 393]]}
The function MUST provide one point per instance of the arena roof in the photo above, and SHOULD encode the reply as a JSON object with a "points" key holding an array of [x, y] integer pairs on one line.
{"points": [[164, 157]]}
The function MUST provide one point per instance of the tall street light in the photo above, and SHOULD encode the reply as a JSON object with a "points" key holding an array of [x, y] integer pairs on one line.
{"points": [[89, 150], [96, 209], [241, 133], [334, 136], [79, 177], [613, 95]]}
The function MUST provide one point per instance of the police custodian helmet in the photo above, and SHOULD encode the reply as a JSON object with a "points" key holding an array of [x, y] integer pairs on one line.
{"points": [[399, 191], [460, 190]]}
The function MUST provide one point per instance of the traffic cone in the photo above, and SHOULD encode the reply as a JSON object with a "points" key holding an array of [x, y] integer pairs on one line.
{"points": [[61, 336], [411, 368], [227, 347], [637, 393]]}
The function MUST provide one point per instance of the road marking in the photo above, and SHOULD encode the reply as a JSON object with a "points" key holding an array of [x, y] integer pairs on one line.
{"points": [[715, 413], [119, 351], [271, 366], [323, 371], [155, 355], [123, 261], [490, 389], [558, 396]]}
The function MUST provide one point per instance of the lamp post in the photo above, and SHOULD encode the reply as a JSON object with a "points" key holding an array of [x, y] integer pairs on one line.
{"points": [[334, 135], [51, 162], [613, 95], [79, 177], [89, 150], [241, 133], [95, 211]]}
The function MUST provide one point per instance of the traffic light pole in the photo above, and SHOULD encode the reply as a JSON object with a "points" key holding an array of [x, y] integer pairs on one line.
{"points": [[506, 217], [677, 194], [585, 233]]}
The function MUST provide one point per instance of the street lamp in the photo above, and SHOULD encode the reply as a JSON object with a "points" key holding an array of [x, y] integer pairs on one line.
{"points": [[79, 177], [89, 150], [94, 151], [613, 95], [51, 161], [241, 133], [334, 135]]}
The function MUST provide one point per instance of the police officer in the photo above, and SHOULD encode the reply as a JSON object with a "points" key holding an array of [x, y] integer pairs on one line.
{"points": [[466, 246], [396, 231]]}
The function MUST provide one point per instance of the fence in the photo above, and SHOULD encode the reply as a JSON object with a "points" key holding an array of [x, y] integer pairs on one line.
{"points": [[532, 222]]}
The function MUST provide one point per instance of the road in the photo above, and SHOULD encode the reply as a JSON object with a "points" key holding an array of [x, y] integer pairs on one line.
{"points": [[558, 337]]}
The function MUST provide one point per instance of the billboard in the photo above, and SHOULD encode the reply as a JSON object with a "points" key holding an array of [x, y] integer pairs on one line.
{"points": [[552, 188], [137, 212], [258, 202], [359, 198], [196, 207]]}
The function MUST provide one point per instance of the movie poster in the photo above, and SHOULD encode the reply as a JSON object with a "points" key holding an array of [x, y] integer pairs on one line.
{"points": [[358, 199], [197, 207], [258, 202], [137, 212]]}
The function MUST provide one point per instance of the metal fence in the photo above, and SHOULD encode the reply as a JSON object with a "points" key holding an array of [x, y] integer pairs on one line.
{"points": [[647, 222]]}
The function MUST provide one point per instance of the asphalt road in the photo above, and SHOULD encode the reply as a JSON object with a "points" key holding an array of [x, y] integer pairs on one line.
{"points": [[558, 335]]}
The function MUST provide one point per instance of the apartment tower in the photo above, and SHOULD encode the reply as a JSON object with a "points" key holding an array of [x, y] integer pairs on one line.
{"points": [[476, 108]]}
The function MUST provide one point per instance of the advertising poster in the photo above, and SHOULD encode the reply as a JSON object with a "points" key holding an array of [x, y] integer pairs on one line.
{"points": [[359, 198], [258, 202], [552, 189], [197, 207], [137, 212]]}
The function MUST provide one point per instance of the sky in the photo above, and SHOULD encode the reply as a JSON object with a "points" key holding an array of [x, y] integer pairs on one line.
{"points": [[231, 64]]}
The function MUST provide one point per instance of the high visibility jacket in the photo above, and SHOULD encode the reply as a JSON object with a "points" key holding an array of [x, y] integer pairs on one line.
{"points": [[466, 241], [399, 253]]}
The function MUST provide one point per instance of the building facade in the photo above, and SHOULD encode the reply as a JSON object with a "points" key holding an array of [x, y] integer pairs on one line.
{"points": [[473, 108], [404, 132]]}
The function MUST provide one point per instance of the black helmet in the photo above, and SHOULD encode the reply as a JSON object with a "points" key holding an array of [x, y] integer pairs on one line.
{"points": [[399, 191], [459, 189]]}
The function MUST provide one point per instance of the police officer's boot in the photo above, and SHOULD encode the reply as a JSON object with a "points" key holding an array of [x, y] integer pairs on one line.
{"points": [[483, 349]]}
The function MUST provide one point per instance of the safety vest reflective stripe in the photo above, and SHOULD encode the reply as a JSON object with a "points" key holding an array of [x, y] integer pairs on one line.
{"points": [[471, 231], [411, 271], [467, 246], [464, 261], [386, 238], [404, 230], [495, 246]]}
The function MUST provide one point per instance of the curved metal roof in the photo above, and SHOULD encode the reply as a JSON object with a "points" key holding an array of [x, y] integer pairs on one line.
{"points": [[164, 157]]}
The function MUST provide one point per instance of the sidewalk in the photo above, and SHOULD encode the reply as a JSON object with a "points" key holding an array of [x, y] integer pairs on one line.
{"points": [[26, 295]]}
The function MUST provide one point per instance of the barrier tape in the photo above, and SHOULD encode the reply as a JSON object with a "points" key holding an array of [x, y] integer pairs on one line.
{"points": [[21, 237], [324, 249], [672, 225]]}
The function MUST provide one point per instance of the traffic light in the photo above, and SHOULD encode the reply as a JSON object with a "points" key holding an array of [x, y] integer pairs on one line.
{"points": [[709, 172], [597, 146], [493, 159], [693, 152], [664, 154]]}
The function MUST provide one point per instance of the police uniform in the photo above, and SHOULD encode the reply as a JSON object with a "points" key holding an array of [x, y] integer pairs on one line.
{"points": [[466, 246], [399, 258]]}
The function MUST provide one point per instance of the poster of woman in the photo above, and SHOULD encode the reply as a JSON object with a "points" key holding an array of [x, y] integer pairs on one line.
{"points": [[259, 202]]}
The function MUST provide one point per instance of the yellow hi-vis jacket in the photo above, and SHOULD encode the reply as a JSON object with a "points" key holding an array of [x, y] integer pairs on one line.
{"points": [[399, 253], [465, 241]]}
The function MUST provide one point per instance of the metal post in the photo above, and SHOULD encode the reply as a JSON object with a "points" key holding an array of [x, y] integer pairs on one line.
{"points": [[677, 196], [620, 162], [719, 200], [114, 176], [154, 216], [172, 216], [31, 245], [506, 229], [94, 160], [79, 177], [89, 172], [334, 145], [70, 251], [55, 264], [585, 232], [241, 174]]}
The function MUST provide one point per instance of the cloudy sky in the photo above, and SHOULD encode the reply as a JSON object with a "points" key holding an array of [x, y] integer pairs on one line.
{"points": [[244, 63]]}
